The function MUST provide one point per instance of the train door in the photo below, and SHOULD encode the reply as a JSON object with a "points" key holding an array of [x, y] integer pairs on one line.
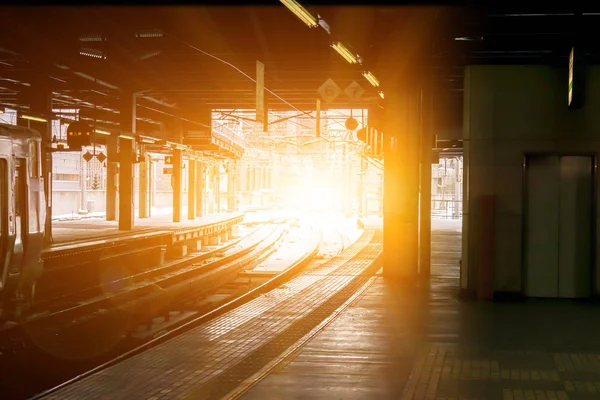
{"points": [[4, 223], [21, 208]]}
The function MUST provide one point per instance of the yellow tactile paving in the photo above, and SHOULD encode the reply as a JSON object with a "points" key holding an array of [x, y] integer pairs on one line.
{"points": [[440, 372]]}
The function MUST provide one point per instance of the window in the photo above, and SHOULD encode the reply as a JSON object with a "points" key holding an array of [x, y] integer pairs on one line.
{"points": [[3, 212], [66, 177], [34, 166], [21, 199]]}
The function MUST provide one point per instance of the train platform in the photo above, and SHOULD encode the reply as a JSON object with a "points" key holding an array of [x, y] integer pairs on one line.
{"points": [[342, 331], [209, 361], [423, 343], [69, 230]]}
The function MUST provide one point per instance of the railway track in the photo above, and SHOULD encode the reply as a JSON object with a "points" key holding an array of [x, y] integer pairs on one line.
{"points": [[130, 295], [177, 298]]}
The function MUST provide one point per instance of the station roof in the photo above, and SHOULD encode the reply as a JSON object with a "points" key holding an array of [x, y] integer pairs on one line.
{"points": [[182, 58]]}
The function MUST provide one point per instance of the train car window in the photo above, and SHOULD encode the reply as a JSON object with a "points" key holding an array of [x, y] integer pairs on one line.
{"points": [[21, 200], [3, 212], [34, 157]]}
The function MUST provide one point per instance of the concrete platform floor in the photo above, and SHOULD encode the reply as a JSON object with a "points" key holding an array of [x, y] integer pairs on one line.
{"points": [[423, 343], [77, 229]]}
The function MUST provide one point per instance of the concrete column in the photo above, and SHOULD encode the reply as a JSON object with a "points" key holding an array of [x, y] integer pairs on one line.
{"points": [[177, 186], [199, 189], [217, 185], [210, 171], [192, 189], [231, 207], [344, 180], [152, 183], [249, 178], [401, 190], [425, 199], [361, 187], [126, 159], [112, 174], [144, 192], [40, 103]]}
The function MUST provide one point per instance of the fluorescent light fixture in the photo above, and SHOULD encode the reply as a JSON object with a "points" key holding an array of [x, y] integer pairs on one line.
{"points": [[149, 33], [127, 137], [29, 117], [102, 132], [93, 37], [147, 139], [344, 52], [301, 13], [380, 93], [371, 78], [150, 54], [469, 38], [92, 53]]}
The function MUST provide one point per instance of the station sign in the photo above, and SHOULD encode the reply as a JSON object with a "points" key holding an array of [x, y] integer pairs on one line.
{"points": [[329, 90], [354, 91]]}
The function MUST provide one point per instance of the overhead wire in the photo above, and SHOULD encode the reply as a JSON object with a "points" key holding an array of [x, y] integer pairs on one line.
{"points": [[239, 70]]}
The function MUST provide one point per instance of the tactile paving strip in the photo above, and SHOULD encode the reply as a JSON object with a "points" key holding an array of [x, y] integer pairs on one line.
{"points": [[450, 374], [211, 360]]}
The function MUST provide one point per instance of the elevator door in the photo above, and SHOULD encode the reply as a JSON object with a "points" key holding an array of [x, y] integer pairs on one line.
{"points": [[558, 236]]}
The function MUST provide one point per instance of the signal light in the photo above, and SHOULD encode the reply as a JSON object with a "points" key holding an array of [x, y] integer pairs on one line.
{"points": [[79, 134]]}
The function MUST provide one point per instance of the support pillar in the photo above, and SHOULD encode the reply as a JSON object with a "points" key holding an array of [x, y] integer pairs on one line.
{"points": [[361, 187], [199, 189], [112, 174], [401, 187], [177, 185], [217, 187], [192, 189], [144, 185], [126, 160], [344, 180], [40, 102], [152, 183], [425, 199], [210, 171], [250, 178], [231, 207]]}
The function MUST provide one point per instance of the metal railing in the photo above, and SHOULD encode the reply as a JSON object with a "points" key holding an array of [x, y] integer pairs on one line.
{"points": [[447, 209]]}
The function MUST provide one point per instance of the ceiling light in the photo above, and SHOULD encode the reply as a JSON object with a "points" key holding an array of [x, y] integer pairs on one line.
{"points": [[92, 53], [344, 52], [380, 93], [149, 33], [102, 132], [469, 38], [147, 139], [371, 78], [127, 137], [150, 54], [300, 12], [29, 117], [94, 37]]}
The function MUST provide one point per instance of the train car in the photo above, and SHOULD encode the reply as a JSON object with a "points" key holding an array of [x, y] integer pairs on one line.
{"points": [[22, 216]]}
